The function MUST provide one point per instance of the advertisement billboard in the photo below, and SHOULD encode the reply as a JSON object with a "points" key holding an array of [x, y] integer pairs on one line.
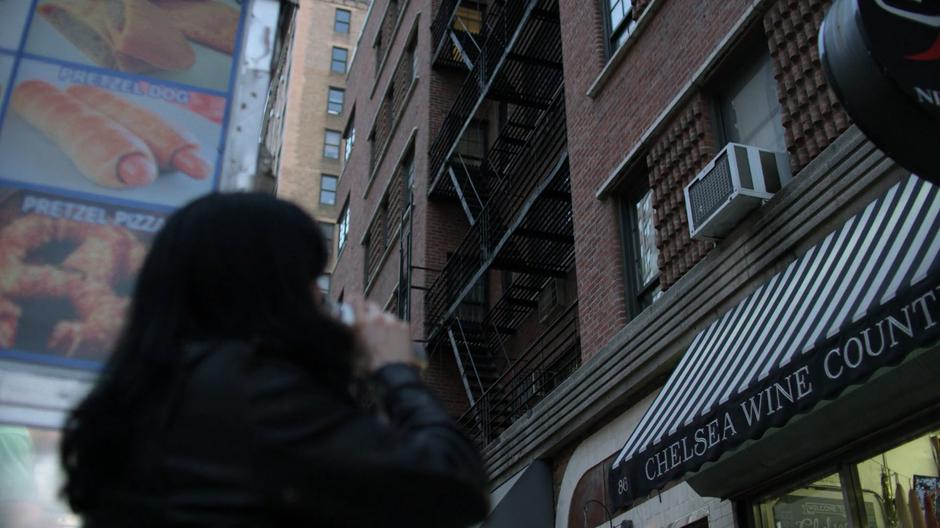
{"points": [[112, 114]]}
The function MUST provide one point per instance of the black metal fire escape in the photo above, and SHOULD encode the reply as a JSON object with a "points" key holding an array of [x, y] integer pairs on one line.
{"points": [[517, 201]]}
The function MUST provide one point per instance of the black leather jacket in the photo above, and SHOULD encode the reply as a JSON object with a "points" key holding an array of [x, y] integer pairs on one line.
{"points": [[254, 441]]}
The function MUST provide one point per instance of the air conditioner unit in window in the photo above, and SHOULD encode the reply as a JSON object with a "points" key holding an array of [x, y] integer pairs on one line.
{"points": [[736, 181]]}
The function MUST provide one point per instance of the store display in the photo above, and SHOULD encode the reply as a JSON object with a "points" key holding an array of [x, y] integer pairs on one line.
{"points": [[930, 510], [903, 511], [31, 478], [104, 151]]}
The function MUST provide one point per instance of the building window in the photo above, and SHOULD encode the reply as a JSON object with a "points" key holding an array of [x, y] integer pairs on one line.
{"points": [[641, 256], [618, 17], [327, 189], [411, 58], [331, 143], [408, 178], [748, 106], [350, 143], [343, 228], [334, 105], [341, 21], [327, 229], [891, 489], [471, 150], [323, 282], [338, 63], [373, 151], [404, 274], [349, 135], [379, 51]]}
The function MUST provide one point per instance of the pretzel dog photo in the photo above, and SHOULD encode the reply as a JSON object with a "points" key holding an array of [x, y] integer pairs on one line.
{"points": [[107, 135]]}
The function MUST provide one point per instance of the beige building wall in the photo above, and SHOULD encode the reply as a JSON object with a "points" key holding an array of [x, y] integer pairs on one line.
{"points": [[302, 163]]}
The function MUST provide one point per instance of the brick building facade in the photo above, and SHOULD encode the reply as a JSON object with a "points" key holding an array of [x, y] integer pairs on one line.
{"points": [[317, 104], [543, 251]]}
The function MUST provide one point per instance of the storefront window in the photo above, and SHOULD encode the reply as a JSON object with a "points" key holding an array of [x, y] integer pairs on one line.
{"points": [[30, 479], [906, 477], [815, 505], [899, 488]]}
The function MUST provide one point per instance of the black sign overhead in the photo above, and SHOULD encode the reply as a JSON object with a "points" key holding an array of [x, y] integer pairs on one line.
{"points": [[882, 59], [861, 299]]}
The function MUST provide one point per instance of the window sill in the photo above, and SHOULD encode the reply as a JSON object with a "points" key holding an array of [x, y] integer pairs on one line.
{"points": [[621, 52], [391, 134]]}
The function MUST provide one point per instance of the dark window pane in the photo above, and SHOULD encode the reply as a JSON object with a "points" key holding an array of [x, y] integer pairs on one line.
{"points": [[327, 229], [641, 255], [335, 101], [343, 227], [648, 253], [750, 110], [619, 21], [331, 144]]}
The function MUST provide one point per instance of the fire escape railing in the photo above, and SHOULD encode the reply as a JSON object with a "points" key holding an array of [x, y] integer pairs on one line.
{"points": [[542, 367], [442, 23], [503, 26], [539, 250], [542, 162]]}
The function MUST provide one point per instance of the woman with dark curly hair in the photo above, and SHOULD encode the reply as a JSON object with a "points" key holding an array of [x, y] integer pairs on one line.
{"points": [[226, 401]]}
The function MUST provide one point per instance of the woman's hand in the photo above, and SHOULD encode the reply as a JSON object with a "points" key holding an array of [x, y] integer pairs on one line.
{"points": [[384, 338]]}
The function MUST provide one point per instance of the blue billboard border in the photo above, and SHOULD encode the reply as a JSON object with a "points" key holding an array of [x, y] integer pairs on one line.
{"points": [[38, 358], [92, 198], [237, 58]]}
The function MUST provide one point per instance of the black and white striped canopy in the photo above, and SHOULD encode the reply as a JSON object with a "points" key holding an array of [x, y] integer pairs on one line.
{"points": [[860, 299]]}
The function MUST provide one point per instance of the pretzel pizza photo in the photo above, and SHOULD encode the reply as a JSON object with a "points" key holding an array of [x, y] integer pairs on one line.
{"points": [[66, 269]]}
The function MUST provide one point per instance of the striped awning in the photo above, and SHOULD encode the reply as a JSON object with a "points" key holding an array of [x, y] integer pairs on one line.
{"points": [[860, 299]]}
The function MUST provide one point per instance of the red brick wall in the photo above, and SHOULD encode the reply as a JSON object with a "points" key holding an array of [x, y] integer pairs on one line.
{"points": [[682, 150], [812, 117], [603, 129], [348, 275]]}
